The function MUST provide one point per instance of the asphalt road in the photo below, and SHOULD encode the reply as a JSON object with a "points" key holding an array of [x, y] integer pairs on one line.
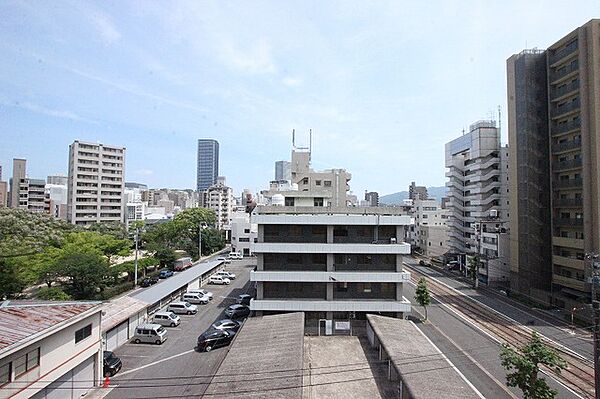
{"points": [[174, 369], [472, 351]]}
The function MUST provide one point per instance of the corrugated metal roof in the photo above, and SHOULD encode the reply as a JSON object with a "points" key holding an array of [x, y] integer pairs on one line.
{"points": [[119, 310], [20, 320]]}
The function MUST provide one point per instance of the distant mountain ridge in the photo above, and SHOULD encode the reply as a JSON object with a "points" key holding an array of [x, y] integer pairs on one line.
{"points": [[397, 198]]}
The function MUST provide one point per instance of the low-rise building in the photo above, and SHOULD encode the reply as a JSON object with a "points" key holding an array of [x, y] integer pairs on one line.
{"points": [[243, 233], [49, 350]]}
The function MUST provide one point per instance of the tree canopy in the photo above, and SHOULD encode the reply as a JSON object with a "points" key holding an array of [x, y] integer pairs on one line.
{"points": [[422, 295]]}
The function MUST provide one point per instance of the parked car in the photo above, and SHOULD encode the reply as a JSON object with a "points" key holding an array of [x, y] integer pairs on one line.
{"points": [[235, 255], [211, 339], [421, 262], [226, 274], [227, 324], [202, 292], [224, 259], [112, 364], [453, 265], [217, 279], [166, 319], [244, 299], [150, 333], [165, 273], [148, 281], [237, 311], [182, 308], [195, 298]]}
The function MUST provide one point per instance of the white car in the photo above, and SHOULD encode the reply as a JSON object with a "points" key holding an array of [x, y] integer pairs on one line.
{"points": [[194, 298], [224, 259], [216, 279], [226, 274], [202, 293]]}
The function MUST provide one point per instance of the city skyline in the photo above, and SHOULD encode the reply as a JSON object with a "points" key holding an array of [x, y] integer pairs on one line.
{"points": [[83, 72]]}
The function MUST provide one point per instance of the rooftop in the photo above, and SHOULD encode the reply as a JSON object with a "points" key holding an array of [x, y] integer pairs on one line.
{"points": [[251, 370], [331, 210], [120, 309], [21, 320]]}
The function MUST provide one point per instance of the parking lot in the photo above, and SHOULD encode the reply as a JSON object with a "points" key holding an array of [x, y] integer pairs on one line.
{"points": [[174, 369]]}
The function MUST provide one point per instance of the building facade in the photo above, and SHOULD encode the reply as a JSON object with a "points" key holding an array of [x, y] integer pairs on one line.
{"points": [[429, 235], [372, 198], [415, 192], [26, 193], [208, 163], [283, 170], [332, 263], [554, 115], [219, 198], [243, 233], [96, 183]]}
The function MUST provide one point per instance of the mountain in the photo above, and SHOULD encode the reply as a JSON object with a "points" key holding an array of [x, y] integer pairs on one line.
{"points": [[397, 198]]}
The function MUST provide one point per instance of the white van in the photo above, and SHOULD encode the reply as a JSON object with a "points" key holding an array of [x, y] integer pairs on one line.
{"points": [[195, 298], [235, 255], [166, 319], [150, 334]]}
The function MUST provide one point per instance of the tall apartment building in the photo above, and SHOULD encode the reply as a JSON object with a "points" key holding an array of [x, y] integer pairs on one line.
{"points": [[477, 185], [332, 263], [415, 191], [372, 198], [59, 180], [219, 198], [283, 170], [96, 183], [208, 163], [554, 120], [430, 232], [26, 193]]}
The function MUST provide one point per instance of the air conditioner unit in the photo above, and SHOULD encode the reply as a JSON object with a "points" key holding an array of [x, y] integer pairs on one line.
{"points": [[493, 213], [392, 240]]}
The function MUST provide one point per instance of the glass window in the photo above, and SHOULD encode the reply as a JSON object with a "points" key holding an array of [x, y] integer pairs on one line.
{"points": [[289, 201], [5, 371], [318, 201], [33, 359], [20, 365], [327, 183], [83, 333]]}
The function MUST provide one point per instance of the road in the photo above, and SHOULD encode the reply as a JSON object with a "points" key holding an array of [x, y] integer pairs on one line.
{"points": [[174, 369], [471, 350]]}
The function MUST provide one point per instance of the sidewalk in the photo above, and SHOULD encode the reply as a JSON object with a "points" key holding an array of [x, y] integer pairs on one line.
{"points": [[99, 392]]}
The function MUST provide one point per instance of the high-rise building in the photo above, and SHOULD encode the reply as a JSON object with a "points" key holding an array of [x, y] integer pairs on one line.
{"points": [[372, 198], [283, 170], [429, 234], [208, 163], [3, 191], [417, 192], [220, 199], [59, 180], [477, 190], [26, 193], [554, 123], [96, 183]]}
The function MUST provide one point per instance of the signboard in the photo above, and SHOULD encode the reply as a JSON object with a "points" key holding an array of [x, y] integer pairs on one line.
{"points": [[342, 325], [328, 327]]}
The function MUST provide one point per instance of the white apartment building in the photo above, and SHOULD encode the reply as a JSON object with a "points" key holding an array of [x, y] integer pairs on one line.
{"points": [[96, 183], [243, 233], [219, 198], [56, 200], [332, 263], [49, 350], [477, 185], [429, 235]]}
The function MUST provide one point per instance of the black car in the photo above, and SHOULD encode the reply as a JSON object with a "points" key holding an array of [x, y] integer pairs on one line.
{"points": [[237, 311], [227, 324], [244, 299], [421, 263], [112, 364], [211, 339], [148, 281]]}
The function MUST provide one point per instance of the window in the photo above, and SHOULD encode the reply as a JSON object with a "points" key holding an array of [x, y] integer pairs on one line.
{"points": [[318, 182], [295, 231], [246, 231], [83, 333], [289, 201], [244, 239], [5, 371], [327, 183], [27, 362], [318, 201], [305, 180]]}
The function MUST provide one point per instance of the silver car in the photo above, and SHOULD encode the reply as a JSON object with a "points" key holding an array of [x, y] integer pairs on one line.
{"points": [[166, 319]]}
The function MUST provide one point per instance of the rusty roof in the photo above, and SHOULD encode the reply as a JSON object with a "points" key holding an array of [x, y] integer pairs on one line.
{"points": [[20, 320]]}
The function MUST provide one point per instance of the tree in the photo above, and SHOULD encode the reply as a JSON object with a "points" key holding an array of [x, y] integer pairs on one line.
{"points": [[52, 294], [11, 282], [117, 230], [105, 243], [165, 256], [87, 272], [422, 295], [523, 366], [212, 241]]}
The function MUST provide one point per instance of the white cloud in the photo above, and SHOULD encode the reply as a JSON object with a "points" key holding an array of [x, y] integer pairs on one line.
{"points": [[291, 81], [105, 27], [38, 109], [256, 58]]}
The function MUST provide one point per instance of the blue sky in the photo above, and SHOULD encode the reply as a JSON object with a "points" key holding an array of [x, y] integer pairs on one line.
{"points": [[383, 85]]}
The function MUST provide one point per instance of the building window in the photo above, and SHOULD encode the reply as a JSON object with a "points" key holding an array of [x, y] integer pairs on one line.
{"points": [[83, 333], [327, 183], [5, 373], [246, 231], [305, 180], [295, 231], [318, 201], [289, 201], [244, 239], [27, 362], [317, 182]]}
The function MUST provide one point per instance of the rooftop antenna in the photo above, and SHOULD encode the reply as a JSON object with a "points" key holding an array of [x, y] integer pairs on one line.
{"points": [[294, 139]]}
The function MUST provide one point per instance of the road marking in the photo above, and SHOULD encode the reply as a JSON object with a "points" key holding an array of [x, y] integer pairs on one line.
{"points": [[156, 362], [132, 356]]}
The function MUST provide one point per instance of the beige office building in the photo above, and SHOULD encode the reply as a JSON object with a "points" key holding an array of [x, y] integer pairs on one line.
{"points": [[96, 183], [26, 193], [554, 129]]}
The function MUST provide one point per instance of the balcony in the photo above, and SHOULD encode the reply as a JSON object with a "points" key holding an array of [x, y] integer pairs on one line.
{"points": [[558, 129], [573, 263], [310, 305], [569, 282], [367, 276], [568, 202], [392, 249], [556, 56], [566, 146], [567, 165], [572, 106], [567, 242], [558, 92], [570, 183], [568, 222]]}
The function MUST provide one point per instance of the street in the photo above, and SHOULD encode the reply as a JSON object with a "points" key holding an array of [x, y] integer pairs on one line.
{"points": [[174, 369]]}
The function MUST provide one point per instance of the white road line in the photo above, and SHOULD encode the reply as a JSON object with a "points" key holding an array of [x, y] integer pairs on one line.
{"points": [[156, 362], [132, 356]]}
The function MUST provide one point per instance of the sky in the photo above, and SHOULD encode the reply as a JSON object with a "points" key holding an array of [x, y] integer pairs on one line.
{"points": [[383, 85]]}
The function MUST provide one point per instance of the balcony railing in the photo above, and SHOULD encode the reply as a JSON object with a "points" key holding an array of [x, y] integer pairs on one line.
{"points": [[566, 165], [567, 107], [566, 127], [560, 54], [568, 222], [568, 202], [561, 91], [567, 145], [571, 183]]}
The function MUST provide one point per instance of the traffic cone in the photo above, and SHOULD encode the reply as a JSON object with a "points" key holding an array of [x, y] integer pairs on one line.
{"points": [[106, 382]]}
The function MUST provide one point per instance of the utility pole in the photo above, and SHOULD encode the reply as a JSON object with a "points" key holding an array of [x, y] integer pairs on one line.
{"points": [[137, 232], [199, 241], [594, 280]]}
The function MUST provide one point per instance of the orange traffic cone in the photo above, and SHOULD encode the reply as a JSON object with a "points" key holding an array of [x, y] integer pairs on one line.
{"points": [[106, 382]]}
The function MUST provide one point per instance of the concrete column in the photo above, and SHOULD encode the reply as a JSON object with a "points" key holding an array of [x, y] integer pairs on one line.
{"points": [[259, 290], [329, 316], [260, 262], [399, 288], [399, 263], [399, 233], [329, 291], [329, 234], [261, 233], [330, 262]]}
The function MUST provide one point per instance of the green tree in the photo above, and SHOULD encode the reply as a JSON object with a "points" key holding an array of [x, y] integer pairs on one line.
{"points": [[117, 230], [473, 266], [165, 256], [523, 367], [212, 241], [11, 281], [422, 295], [87, 272], [52, 294], [105, 243]]}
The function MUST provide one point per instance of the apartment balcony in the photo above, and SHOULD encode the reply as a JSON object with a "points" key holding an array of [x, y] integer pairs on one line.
{"points": [[568, 202], [567, 127], [367, 276], [566, 184], [566, 146], [400, 248], [569, 50], [557, 93], [559, 111], [573, 263], [484, 164], [485, 176], [311, 305], [569, 282], [568, 222], [567, 242], [567, 165]]}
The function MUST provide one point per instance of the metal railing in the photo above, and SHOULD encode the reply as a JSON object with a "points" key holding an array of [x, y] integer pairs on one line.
{"points": [[568, 202], [566, 146], [568, 222], [562, 53], [561, 91], [566, 127], [567, 107], [566, 165], [571, 183], [559, 74]]}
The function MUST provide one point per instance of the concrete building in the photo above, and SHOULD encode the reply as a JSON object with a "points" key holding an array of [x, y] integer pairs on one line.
{"points": [[554, 123], [477, 185], [429, 235], [493, 246], [26, 193], [96, 183], [219, 198], [58, 180], [49, 350], [56, 200], [415, 191], [332, 263], [208, 163], [243, 233], [372, 198], [3, 191], [283, 170]]}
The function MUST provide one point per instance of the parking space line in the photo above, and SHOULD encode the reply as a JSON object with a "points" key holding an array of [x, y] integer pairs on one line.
{"points": [[156, 362]]}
